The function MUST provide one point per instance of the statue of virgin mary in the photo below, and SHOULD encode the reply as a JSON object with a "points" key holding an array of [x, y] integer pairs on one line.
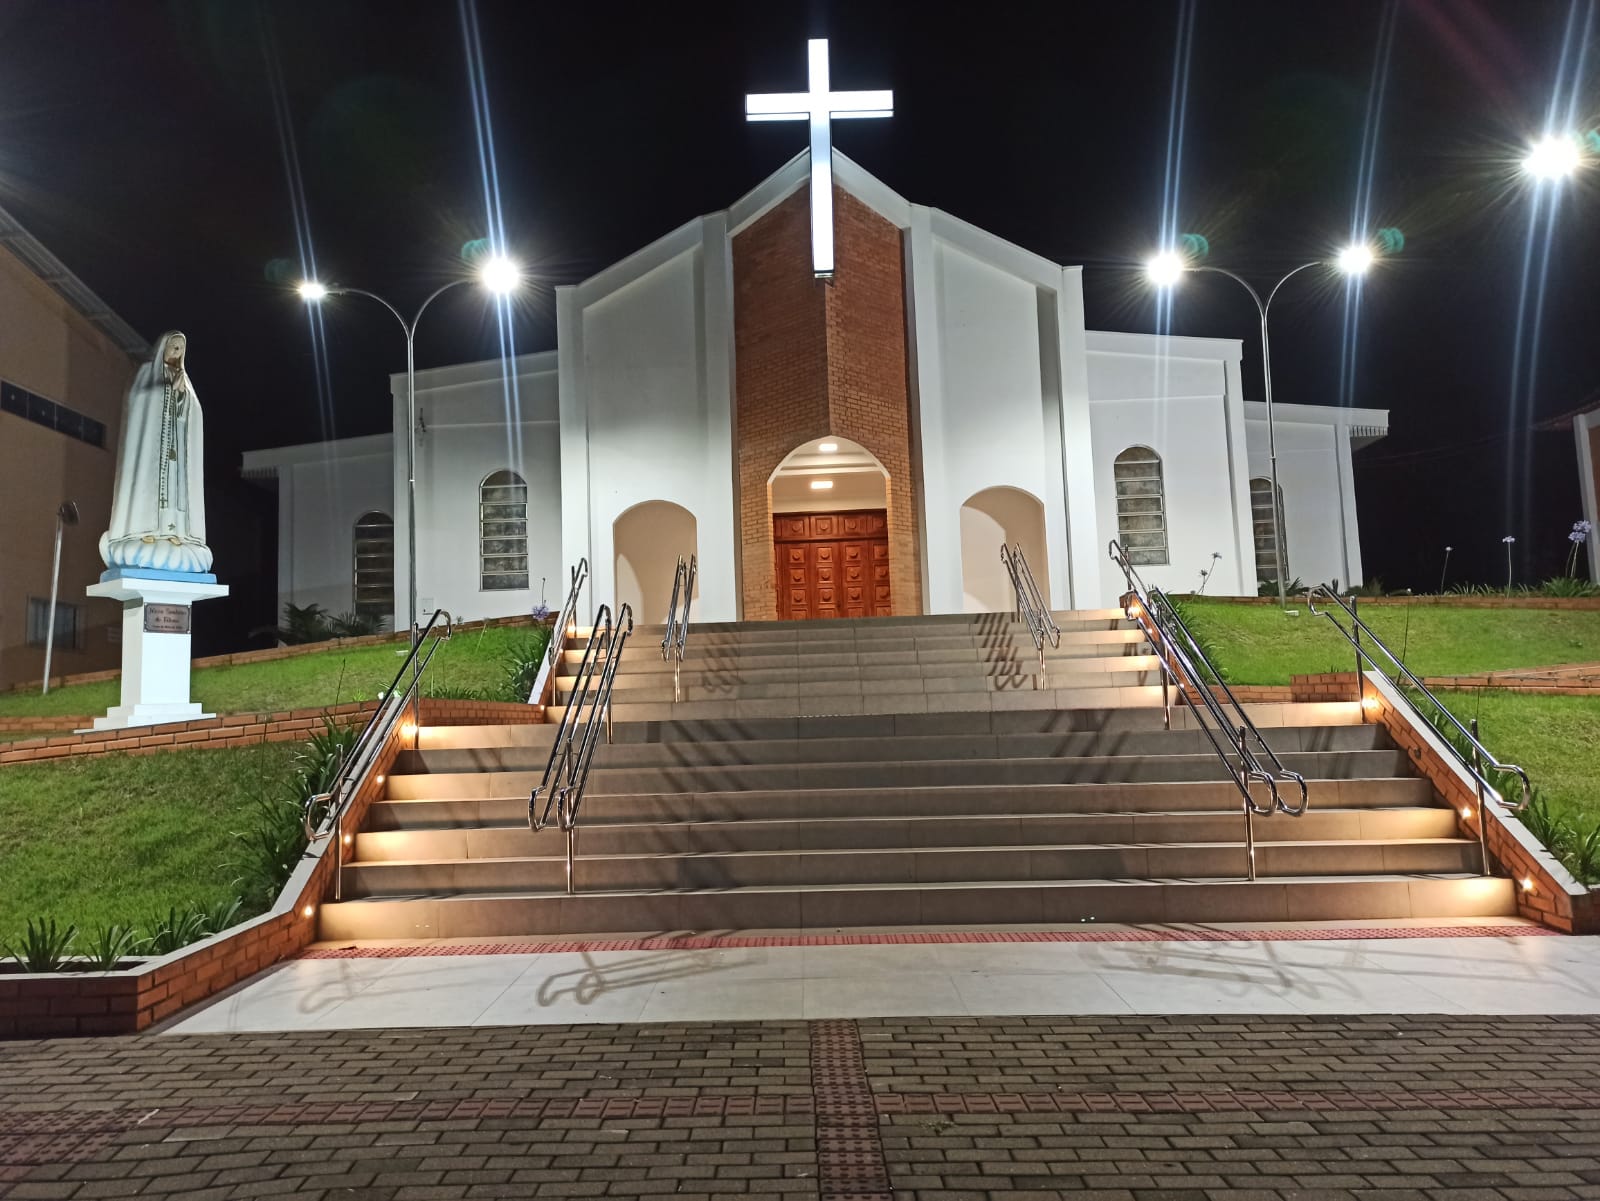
{"points": [[158, 516]]}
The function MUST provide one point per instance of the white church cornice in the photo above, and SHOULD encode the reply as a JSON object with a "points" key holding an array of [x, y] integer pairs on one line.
{"points": [[478, 371], [1171, 346], [265, 464]]}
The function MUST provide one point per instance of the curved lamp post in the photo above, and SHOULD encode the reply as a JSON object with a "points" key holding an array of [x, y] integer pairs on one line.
{"points": [[1166, 269], [499, 275]]}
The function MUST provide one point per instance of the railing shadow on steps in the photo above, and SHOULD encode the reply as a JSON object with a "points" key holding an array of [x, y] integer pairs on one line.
{"points": [[1031, 607], [587, 709], [1347, 621], [677, 635], [1244, 753], [321, 813], [565, 627]]}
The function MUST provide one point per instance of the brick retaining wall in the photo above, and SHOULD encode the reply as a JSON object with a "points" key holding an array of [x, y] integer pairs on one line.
{"points": [[245, 729], [1546, 891]]}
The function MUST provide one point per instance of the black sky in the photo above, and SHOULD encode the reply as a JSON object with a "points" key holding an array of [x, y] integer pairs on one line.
{"points": [[140, 141]]}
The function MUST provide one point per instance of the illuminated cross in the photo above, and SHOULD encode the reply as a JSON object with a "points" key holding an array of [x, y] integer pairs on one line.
{"points": [[819, 106]]}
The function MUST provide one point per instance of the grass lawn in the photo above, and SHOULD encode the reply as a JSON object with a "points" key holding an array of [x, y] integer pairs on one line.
{"points": [[1257, 644], [120, 838], [1556, 738], [470, 660]]}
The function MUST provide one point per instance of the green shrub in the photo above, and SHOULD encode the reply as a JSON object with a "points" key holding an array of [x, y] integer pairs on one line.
{"points": [[109, 945], [174, 930], [520, 663], [44, 946], [1566, 586]]}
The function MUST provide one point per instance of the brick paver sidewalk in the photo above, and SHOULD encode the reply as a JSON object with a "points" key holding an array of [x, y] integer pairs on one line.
{"points": [[1097, 1109]]}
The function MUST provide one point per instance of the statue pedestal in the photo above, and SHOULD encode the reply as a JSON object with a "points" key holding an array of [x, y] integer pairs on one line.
{"points": [[155, 646]]}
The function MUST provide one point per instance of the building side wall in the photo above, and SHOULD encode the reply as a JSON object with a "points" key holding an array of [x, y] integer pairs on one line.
{"points": [[466, 440], [318, 505], [1586, 427], [1178, 408], [49, 349], [991, 417], [1313, 472]]}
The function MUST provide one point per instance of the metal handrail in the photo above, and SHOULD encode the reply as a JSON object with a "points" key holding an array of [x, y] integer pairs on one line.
{"points": [[566, 773], [1031, 607], [1181, 658], [677, 635], [355, 767], [563, 629], [1480, 754]]}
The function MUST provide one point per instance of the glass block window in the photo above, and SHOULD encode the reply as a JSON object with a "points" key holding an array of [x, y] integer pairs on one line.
{"points": [[69, 623], [503, 532], [374, 565], [1263, 514], [1141, 506]]}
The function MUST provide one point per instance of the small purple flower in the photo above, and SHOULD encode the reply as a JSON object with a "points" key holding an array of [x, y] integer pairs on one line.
{"points": [[1508, 539], [1578, 535]]}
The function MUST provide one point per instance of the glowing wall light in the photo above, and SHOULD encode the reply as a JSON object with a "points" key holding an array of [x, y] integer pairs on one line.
{"points": [[821, 485]]}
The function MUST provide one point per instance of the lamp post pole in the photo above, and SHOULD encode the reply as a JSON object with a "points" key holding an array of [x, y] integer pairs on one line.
{"points": [[409, 328], [66, 515], [1263, 307]]}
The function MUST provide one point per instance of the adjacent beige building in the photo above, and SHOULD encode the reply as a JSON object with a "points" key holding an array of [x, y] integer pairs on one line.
{"points": [[65, 362]]}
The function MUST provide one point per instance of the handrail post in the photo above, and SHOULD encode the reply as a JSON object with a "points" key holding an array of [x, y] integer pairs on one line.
{"points": [[1249, 815], [1483, 826]]}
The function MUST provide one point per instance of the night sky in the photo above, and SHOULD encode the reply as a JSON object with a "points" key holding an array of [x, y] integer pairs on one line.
{"points": [[154, 147]]}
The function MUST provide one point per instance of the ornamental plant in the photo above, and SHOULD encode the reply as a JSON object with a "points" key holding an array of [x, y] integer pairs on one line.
{"points": [[1578, 536]]}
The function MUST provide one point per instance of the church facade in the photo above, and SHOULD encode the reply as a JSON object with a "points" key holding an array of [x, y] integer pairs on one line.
{"points": [[853, 446]]}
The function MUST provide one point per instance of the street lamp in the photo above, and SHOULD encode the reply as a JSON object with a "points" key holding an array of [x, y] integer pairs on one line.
{"points": [[1553, 157], [66, 515], [1167, 268], [500, 276]]}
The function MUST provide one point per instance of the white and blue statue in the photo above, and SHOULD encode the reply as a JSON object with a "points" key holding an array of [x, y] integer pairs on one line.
{"points": [[158, 508]]}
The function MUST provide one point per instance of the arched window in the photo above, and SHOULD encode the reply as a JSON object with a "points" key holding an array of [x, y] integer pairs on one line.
{"points": [[1265, 518], [1141, 506], [503, 532], [374, 565]]}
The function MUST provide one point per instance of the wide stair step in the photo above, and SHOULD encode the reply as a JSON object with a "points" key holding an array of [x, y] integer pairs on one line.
{"points": [[899, 772]]}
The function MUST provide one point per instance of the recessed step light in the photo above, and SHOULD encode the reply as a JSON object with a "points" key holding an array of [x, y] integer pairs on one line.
{"points": [[821, 485]]}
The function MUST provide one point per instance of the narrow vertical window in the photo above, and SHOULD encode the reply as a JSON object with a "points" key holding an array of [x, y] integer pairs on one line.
{"points": [[374, 565], [503, 532], [1141, 506], [1266, 518]]}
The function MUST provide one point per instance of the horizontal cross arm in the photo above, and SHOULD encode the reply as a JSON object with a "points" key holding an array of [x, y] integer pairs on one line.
{"points": [[778, 106], [861, 104]]}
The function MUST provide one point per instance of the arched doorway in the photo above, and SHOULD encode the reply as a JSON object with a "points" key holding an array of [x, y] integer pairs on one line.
{"points": [[989, 518], [830, 532], [647, 540]]}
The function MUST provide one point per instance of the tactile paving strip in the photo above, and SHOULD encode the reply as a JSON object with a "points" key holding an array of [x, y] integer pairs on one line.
{"points": [[850, 1160]]}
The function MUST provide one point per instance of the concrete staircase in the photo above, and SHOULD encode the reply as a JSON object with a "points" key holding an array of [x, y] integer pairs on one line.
{"points": [[906, 771]]}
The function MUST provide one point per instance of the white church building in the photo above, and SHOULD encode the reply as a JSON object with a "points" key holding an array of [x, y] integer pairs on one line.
{"points": [[857, 445]]}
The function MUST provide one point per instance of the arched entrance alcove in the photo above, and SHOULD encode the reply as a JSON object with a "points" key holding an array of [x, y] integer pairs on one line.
{"points": [[829, 500], [647, 540], [989, 518]]}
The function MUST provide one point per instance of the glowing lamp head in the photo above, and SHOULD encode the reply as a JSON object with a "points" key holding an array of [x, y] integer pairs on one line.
{"points": [[311, 291], [1553, 157], [1165, 269], [500, 275], [1356, 259]]}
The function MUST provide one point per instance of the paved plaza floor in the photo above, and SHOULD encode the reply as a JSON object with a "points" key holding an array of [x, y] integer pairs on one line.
{"points": [[1402, 1063], [1130, 1108], [1487, 967]]}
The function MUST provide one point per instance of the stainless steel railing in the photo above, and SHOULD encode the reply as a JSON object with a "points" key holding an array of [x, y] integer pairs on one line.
{"points": [[587, 710], [1031, 607], [392, 704], [1244, 753], [564, 628], [677, 635], [1471, 760]]}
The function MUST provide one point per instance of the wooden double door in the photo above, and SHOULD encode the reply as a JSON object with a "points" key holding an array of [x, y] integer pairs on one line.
{"points": [[832, 564]]}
